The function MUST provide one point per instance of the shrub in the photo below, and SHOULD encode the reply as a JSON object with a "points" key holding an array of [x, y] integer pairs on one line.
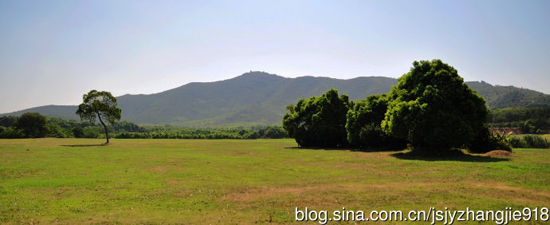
{"points": [[78, 132], [91, 132], [535, 141], [517, 142], [485, 142], [55, 130], [529, 141], [272, 132]]}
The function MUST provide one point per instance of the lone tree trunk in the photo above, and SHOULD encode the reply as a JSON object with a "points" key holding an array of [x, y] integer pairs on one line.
{"points": [[104, 127]]}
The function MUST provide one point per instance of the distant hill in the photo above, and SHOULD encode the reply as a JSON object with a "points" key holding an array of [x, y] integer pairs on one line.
{"points": [[258, 98], [509, 96]]}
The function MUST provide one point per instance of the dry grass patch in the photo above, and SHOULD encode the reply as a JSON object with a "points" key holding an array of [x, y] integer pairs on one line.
{"points": [[503, 191], [264, 193]]}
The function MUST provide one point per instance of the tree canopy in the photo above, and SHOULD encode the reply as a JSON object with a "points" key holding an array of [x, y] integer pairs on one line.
{"points": [[99, 105], [433, 108]]}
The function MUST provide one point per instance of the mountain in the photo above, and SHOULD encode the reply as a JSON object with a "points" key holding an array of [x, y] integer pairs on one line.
{"points": [[259, 98], [509, 96]]}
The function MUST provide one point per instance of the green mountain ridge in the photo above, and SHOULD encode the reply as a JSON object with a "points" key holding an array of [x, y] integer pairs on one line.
{"points": [[259, 98]]}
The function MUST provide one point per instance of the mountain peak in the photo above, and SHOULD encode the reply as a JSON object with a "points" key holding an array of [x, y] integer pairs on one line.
{"points": [[258, 75]]}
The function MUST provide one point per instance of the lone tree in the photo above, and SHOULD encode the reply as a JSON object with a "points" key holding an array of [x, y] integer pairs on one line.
{"points": [[100, 105], [434, 109], [318, 121], [33, 125]]}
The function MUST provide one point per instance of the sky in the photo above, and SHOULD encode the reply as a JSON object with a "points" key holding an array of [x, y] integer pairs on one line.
{"points": [[52, 52]]}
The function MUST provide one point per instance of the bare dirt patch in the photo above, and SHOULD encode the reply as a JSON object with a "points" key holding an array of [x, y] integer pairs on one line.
{"points": [[498, 153], [160, 169]]}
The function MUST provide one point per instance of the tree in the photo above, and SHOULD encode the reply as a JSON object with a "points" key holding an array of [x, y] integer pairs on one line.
{"points": [[33, 125], [433, 108], [363, 124], [318, 121], [100, 105]]}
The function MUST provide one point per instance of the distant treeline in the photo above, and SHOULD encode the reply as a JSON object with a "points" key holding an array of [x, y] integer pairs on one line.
{"points": [[528, 120], [206, 133], [34, 125]]}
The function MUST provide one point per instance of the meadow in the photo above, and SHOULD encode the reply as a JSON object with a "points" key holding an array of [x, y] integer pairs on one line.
{"points": [[159, 181]]}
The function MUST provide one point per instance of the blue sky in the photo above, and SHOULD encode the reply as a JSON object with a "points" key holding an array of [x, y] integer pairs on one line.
{"points": [[51, 52]]}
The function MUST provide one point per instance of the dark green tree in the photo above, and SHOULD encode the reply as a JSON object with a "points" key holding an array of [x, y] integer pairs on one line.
{"points": [[102, 106], [318, 121], [433, 108], [33, 125], [363, 124]]}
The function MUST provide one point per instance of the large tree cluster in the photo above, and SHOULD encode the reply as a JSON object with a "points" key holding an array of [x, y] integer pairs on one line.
{"points": [[430, 108]]}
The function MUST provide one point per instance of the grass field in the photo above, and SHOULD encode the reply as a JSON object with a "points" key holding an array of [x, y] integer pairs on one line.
{"points": [[71, 181]]}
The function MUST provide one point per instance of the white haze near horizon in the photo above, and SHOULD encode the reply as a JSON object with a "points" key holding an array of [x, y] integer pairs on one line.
{"points": [[51, 52]]}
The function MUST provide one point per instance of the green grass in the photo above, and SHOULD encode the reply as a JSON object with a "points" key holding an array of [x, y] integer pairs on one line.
{"points": [[64, 181]]}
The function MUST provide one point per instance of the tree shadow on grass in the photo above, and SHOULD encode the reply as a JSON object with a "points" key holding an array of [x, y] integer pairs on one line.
{"points": [[348, 149], [450, 156], [89, 145], [453, 155], [313, 148]]}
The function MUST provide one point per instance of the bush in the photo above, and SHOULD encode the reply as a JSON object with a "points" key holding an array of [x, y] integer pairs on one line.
{"points": [[529, 141], [91, 132], [127, 126], [78, 132], [535, 141], [485, 142], [55, 130], [272, 132]]}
